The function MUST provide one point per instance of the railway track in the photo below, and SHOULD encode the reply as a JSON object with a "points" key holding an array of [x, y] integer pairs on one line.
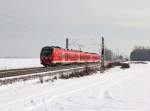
{"points": [[53, 72], [16, 72], [16, 75], [29, 71]]}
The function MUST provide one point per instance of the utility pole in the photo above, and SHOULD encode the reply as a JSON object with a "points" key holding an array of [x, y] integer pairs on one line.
{"points": [[102, 56], [67, 42]]}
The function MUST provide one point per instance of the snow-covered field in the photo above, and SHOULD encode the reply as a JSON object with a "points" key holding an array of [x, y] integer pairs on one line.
{"points": [[12, 63], [115, 90]]}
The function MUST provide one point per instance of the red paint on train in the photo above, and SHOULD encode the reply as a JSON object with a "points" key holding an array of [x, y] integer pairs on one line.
{"points": [[52, 55]]}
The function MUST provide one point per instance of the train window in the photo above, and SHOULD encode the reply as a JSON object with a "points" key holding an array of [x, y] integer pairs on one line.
{"points": [[46, 52], [63, 55], [66, 56]]}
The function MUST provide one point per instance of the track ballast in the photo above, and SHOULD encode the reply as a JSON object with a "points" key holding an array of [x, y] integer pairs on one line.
{"points": [[28, 71]]}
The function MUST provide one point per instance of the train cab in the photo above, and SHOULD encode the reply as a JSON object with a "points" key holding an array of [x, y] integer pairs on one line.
{"points": [[48, 55]]}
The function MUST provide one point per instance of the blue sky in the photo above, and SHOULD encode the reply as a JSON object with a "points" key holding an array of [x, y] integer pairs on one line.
{"points": [[28, 25]]}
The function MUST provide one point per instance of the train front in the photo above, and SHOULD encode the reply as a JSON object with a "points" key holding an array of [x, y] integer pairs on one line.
{"points": [[46, 56]]}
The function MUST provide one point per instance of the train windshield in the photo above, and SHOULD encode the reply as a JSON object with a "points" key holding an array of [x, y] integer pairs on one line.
{"points": [[46, 52]]}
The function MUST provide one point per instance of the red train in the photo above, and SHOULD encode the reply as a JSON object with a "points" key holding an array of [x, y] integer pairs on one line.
{"points": [[52, 55]]}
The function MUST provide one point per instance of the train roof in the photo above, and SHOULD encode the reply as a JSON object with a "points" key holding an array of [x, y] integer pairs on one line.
{"points": [[51, 47], [68, 49]]}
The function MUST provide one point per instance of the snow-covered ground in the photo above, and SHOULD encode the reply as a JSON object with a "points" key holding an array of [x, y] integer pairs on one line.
{"points": [[115, 90], [12, 63]]}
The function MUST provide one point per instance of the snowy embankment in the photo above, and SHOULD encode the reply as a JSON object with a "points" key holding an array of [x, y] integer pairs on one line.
{"points": [[13, 63], [115, 90]]}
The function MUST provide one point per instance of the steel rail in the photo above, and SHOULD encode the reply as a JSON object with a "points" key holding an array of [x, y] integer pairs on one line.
{"points": [[27, 71], [50, 74]]}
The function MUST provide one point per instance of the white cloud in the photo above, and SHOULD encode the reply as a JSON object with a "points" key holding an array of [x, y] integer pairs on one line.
{"points": [[51, 21]]}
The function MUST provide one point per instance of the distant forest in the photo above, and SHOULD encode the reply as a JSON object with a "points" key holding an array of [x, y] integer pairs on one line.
{"points": [[140, 54]]}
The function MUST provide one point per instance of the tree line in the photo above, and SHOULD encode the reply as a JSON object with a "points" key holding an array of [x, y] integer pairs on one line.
{"points": [[140, 54]]}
